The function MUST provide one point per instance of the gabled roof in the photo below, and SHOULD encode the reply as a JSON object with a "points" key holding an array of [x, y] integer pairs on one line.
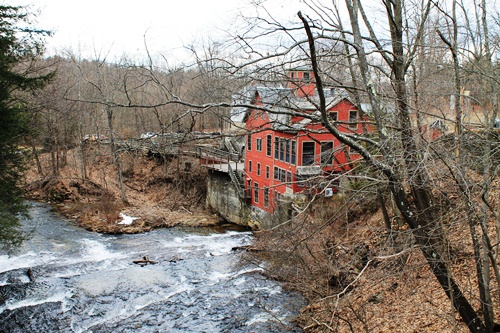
{"points": [[245, 96], [270, 97], [275, 96], [302, 68], [281, 100], [438, 124]]}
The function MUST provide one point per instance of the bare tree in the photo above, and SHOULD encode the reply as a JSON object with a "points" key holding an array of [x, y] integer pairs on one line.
{"points": [[389, 52]]}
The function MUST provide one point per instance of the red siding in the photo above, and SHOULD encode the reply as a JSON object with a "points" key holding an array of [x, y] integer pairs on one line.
{"points": [[258, 125]]}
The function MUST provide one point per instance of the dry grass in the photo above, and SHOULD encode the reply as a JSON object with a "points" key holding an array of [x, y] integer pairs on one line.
{"points": [[357, 280]]}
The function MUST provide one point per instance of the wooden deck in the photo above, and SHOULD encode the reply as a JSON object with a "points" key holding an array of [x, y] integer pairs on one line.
{"points": [[209, 156], [220, 160]]}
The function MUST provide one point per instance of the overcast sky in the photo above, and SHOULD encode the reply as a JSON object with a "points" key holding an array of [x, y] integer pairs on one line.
{"points": [[118, 26]]}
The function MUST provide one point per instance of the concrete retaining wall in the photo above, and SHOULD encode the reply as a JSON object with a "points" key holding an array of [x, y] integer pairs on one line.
{"points": [[222, 197]]}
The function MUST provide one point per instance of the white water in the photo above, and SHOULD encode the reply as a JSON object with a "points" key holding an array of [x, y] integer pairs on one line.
{"points": [[86, 282]]}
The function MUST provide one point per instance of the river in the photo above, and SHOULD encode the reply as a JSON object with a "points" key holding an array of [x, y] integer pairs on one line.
{"points": [[87, 282]]}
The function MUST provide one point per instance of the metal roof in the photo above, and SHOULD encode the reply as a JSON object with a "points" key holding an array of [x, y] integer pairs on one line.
{"points": [[280, 100]]}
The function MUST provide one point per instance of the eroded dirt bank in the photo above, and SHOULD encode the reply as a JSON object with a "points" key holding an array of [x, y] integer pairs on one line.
{"points": [[160, 192]]}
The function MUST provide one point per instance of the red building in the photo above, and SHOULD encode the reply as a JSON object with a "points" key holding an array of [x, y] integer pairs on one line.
{"points": [[289, 155]]}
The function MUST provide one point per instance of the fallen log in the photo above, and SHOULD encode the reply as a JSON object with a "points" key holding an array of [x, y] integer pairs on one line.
{"points": [[144, 261], [247, 248]]}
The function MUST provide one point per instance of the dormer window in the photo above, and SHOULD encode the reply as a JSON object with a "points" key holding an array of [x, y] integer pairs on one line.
{"points": [[353, 119], [333, 116]]}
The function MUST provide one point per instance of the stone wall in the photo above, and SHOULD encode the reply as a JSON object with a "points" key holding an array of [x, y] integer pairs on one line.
{"points": [[222, 198]]}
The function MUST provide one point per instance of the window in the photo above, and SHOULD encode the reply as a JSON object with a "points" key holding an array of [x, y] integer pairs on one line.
{"points": [[326, 153], [258, 169], [276, 148], [258, 144], [306, 76], [294, 152], [269, 145], [333, 116], [266, 197], [277, 196], [353, 119], [267, 171], [287, 149], [282, 176], [256, 192], [282, 149], [249, 141], [308, 153], [249, 166]]}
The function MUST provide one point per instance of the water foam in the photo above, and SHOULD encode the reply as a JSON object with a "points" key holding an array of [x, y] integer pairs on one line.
{"points": [[131, 307], [96, 251], [58, 297], [29, 259], [211, 245], [218, 276]]}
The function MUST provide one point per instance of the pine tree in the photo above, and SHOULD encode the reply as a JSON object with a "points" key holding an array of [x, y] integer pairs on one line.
{"points": [[19, 46]]}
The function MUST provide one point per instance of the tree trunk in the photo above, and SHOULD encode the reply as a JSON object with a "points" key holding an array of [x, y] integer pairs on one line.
{"points": [[387, 219], [114, 153], [37, 160], [425, 225]]}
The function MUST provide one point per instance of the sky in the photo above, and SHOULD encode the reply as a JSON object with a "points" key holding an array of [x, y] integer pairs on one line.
{"points": [[117, 27]]}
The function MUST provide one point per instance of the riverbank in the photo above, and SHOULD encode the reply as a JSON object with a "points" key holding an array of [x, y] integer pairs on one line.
{"points": [[159, 192], [358, 278]]}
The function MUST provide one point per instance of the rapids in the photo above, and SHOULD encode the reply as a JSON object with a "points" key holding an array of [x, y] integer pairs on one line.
{"points": [[87, 282]]}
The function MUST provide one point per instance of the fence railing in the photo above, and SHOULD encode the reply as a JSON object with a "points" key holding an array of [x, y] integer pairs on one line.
{"points": [[217, 154], [238, 182]]}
